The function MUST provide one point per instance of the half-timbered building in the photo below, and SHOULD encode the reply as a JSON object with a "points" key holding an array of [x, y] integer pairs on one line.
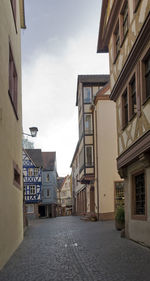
{"points": [[32, 178], [125, 33]]}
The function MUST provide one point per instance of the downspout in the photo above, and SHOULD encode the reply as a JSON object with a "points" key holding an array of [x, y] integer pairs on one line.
{"points": [[97, 181]]}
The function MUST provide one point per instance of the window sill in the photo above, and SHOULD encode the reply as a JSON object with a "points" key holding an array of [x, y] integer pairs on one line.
{"points": [[139, 217]]}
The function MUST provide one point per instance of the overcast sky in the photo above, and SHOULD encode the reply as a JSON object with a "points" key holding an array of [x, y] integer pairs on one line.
{"points": [[59, 43]]}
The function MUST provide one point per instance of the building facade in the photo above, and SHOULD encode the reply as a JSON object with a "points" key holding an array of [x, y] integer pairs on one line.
{"points": [[125, 33], [87, 87], [32, 179], [94, 172], [11, 198], [66, 197], [60, 181], [48, 204]]}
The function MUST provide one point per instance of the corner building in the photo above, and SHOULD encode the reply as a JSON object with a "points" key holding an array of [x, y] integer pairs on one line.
{"points": [[11, 191], [125, 33]]}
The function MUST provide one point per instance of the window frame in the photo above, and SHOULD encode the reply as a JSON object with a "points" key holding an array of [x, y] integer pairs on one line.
{"points": [[89, 163], [116, 35], [143, 60], [88, 131], [31, 187], [133, 203], [13, 82], [132, 107], [87, 100], [30, 172], [16, 176], [125, 108], [122, 22], [14, 11]]}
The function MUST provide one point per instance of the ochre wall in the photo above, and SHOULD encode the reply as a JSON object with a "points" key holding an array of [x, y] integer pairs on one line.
{"points": [[11, 198], [107, 154]]}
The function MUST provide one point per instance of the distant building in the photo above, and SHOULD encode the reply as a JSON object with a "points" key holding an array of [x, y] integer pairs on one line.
{"points": [[94, 172], [47, 207], [32, 177], [66, 197], [60, 181], [125, 33], [11, 192]]}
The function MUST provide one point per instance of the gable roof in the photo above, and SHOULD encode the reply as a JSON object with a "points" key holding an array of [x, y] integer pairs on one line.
{"points": [[91, 80], [49, 159], [36, 156]]}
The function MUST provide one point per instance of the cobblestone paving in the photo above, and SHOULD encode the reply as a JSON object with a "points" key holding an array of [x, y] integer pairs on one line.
{"points": [[68, 249]]}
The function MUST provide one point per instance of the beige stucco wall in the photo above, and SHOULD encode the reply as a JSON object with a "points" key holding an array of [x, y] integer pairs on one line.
{"points": [[138, 230], [11, 201], [107, 154]]}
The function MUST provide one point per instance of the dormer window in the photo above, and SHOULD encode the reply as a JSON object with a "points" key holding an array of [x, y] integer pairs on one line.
{"points": [[87, 95]]}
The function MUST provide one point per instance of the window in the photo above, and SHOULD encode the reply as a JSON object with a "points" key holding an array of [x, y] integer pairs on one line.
{"points": [[89, 155], [87, 95], [13, 4], [17, 178], [81, 159], [124, 21], [147, 77], [47, 177], [36, 170], [139, 195], [13, 82], [48, 193], [32, 189], [116, 41], [77, 180], [132, 87], [88, 124], [125, 109], [30, 208], [30, 172]]}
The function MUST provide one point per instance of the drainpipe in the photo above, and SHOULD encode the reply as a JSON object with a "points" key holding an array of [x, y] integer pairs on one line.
{"points": [[97, 181]]}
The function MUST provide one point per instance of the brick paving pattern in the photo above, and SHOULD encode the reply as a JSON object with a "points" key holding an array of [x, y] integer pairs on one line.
{"points": [[69, 249]]}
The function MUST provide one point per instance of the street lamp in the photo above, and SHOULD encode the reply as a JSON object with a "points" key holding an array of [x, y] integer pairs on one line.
{"points": [[33, 131]]}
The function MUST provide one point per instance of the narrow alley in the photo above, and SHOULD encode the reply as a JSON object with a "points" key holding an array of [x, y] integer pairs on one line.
{"points": [[67, 248]]}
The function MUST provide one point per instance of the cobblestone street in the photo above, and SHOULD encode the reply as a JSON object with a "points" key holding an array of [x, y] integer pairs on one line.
{"points": [[67, 248]]}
